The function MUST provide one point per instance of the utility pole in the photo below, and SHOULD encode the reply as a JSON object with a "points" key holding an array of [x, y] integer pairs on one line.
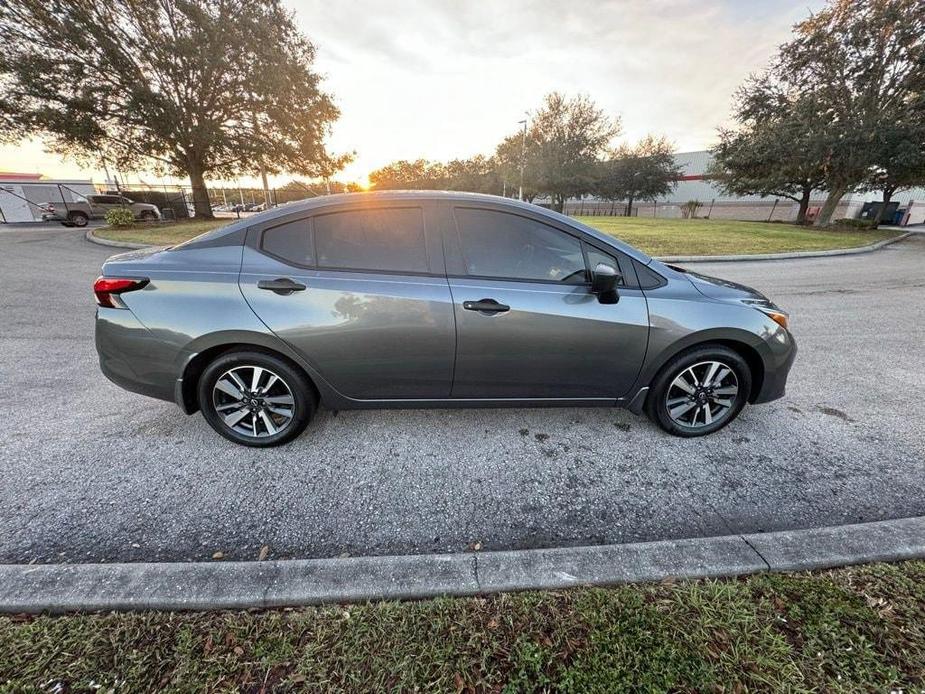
{"points": [[523, 157]]}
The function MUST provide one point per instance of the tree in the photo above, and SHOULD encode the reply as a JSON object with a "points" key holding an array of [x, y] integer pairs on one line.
{"points": [[778, 149], [642, 171], [185, 87], [900, 160], [409, 175], [478, 174], [863, 64], [565, 141]]}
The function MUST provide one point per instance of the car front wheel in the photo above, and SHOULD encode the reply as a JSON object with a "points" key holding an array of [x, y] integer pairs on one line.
{"points": [[255, 399], [699, 391]]}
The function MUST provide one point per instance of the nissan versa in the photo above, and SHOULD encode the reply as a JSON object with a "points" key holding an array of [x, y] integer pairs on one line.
{"points": [[428, 299]]}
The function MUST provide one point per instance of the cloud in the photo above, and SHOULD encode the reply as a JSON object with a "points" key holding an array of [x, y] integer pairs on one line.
{"points": [[440, 78], [444, 79]]}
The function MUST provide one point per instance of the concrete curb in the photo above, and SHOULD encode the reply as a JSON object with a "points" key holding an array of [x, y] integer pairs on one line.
{"points": [[784, 256], [60, 588], [93, 238]]}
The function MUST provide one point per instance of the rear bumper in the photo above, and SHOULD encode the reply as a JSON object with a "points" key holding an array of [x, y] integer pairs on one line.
{"points": [[776, 371], [131, 357]]}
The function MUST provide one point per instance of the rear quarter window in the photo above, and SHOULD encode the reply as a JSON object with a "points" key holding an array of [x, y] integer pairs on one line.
{"points": [[291, 242]]}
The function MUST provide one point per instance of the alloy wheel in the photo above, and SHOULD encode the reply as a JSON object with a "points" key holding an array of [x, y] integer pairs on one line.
{"points": [[702, 394], [253, 401]]}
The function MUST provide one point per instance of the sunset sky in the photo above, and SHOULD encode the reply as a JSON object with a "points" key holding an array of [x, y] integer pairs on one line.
{"points": [[442, 79]]}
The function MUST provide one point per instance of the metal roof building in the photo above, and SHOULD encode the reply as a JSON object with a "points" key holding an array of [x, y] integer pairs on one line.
{"points": [[22, 194]]}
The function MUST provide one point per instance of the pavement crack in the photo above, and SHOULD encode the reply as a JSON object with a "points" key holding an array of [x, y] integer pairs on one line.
{"points": [[475, 571], [755, 550]]}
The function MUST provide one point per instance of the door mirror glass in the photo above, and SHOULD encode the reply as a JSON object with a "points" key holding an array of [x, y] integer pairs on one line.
{"points": [[604, 281]]}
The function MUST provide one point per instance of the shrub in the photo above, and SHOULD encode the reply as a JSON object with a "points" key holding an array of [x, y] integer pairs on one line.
{"points": [[120, 217], [689, 209]]}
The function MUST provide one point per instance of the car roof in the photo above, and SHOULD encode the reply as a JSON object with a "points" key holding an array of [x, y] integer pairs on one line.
{"points": [[371, 197]]}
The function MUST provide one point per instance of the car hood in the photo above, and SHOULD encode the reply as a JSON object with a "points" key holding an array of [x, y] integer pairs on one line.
{"points": [[725, 290]]}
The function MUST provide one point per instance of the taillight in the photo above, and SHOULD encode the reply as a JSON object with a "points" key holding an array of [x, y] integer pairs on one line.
{"points": [[107, 289]]}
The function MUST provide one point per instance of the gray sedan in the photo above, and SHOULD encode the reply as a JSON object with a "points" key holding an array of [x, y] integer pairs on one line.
{"points": [[427, 299]]}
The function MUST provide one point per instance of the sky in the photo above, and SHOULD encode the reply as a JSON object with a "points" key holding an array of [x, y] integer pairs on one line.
{"points": [[442, 79]]}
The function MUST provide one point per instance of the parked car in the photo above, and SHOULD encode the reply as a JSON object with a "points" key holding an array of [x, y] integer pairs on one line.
{"points": [[96, 207], [427, 299]]}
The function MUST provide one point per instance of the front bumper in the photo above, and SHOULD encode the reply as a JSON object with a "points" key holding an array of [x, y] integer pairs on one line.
{"points": [[776, 371]]}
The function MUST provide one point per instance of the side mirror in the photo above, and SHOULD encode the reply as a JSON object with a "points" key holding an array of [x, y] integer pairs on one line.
{"points": [[604, 281]]}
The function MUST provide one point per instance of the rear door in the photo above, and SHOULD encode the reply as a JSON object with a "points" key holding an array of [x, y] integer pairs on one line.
{"points": [[361, 293], [527, 324], [101, 204]]}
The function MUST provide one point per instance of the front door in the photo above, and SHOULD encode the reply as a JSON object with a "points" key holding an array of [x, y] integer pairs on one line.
{"points": [[361, 295], [527, 324]]}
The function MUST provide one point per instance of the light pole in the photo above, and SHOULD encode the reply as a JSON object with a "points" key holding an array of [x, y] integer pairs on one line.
{"points": [[523, 156]]}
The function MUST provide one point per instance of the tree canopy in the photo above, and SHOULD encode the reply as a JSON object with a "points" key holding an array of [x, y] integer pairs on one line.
{"points": [[779, 148], [565, 140], [185, 87], [642, 171], [477, 174], [852, 70]]}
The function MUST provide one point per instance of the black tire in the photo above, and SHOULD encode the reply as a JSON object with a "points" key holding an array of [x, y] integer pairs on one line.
{"points": [[78, 219], [699, 359], [302, 395], [147, 216]]}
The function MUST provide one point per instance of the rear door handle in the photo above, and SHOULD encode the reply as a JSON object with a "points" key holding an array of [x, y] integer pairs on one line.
{"points": [[486, 306], [281, 286]]}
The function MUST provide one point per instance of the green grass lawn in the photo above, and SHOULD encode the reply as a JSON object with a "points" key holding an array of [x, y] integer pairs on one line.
{"points": [[161, 233], [848, 630], [665, 237], [657, 237]]}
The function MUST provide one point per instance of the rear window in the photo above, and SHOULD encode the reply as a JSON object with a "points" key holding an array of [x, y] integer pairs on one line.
{"points": [[388, 239]]}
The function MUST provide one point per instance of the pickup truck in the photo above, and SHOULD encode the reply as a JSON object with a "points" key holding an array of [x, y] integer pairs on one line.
{"points": [[95, 207]]}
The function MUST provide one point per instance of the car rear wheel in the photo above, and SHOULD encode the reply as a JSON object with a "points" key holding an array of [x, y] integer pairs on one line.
{"points": [[78, 219], [255, 399], [147, 216], [699, 391]]}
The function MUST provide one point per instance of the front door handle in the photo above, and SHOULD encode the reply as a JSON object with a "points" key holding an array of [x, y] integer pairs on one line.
{"points": [[281, 286], [485, 306]]}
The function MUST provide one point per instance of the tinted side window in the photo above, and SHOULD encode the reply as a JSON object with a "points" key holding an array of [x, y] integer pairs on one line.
{"points": [[498, 244], [596, 256], [389, 239], [291, 241]]}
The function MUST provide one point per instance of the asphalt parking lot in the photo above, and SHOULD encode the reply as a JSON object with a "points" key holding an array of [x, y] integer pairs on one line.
{"points": [[93, 473]]}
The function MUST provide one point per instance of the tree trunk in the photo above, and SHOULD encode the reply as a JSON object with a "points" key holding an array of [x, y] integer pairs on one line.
{"points": [[804, 204], [201, 204], [831, 202], [558, 202], [629, 206], [887, 196]]}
